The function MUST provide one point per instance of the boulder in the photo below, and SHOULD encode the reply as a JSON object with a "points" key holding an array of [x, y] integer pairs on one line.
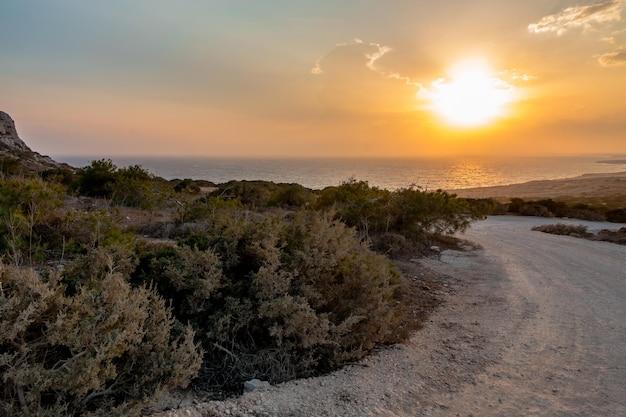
{"points": [[253, 385]]}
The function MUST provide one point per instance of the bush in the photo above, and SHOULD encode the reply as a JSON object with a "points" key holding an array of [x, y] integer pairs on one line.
{"points": [[617, 215], [277, 296], [9, 166], [551, 208], [618, 236], [266, 194], [96, 180], [411, 212], [564, 229], [28, 210], [104, 351], [65, 176], [536, 210]]}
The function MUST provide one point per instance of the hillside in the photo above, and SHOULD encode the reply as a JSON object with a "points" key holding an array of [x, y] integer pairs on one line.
{"points": [[15, 153], [588, 186]]}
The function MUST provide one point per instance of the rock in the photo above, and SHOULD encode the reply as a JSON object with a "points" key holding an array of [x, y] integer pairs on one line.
{"points": [[13, 147], [435, 248], [253, 385], [8, 134]]}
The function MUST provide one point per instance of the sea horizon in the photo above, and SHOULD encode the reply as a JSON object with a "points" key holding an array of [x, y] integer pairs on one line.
{"points": [[448, 173]]}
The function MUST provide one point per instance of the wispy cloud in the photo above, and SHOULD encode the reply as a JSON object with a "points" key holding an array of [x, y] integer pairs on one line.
{"points": [[371, 53], [584, 16], [616, 58], [317, 68], [515, 76]]}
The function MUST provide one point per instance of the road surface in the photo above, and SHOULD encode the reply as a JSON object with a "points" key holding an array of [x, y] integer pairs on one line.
{"points": [[564, 337]]}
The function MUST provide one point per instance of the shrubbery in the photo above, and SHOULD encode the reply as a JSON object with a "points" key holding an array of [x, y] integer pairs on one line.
{"points": [[275, 280], [278, 296], [618, 236], [104, 350], [564, 229], [263, 194], [132, 186], [552, 208], [27, 207], [406, 216]]}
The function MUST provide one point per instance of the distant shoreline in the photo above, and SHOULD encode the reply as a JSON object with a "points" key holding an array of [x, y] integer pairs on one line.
{"points": [[613, 161], [608, 186], [391, 174]]}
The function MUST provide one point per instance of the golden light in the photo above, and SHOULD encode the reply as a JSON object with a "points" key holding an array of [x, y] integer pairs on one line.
{"points": [[471, 97]]}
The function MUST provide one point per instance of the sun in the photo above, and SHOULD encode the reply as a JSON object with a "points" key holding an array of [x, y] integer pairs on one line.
{"points": [[472, 96]]}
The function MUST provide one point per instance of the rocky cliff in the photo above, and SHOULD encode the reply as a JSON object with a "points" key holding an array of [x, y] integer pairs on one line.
{"points": [[12, 147]]}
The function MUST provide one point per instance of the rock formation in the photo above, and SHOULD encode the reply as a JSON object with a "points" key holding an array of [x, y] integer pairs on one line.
{"points": [[12, 147]]}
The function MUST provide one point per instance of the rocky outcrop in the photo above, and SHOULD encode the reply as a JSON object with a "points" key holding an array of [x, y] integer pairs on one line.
{"points": [[8, 134], [12, 147]]}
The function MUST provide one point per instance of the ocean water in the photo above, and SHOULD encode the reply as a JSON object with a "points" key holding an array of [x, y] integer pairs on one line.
{"points": [[427, 173]]}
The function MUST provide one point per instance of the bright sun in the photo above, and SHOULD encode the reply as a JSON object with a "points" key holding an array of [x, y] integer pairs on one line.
{"points": [[471, 97]]}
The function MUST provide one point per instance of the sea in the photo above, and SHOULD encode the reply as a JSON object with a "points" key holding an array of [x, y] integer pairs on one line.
{"points": [[389, 173]]}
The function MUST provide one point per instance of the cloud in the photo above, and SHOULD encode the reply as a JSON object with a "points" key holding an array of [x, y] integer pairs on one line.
{"points": [[317, 69], [361, 54], [371, 52], [515, 76], [616, 58], [584, 16]]}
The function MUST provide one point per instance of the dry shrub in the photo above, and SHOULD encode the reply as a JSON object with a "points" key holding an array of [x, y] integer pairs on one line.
{"points": [[564, 229], [618, 236], [282, 295], [105, 350]]}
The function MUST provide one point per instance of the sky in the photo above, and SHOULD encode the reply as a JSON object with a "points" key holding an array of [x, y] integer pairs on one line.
{"points": [[315, 78]]}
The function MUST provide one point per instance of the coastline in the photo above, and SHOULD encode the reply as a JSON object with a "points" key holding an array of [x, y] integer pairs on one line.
{"points": [[592, 186]]}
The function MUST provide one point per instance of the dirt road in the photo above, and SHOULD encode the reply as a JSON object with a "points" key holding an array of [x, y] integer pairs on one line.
{"points": [[533, 325], [563, 338]]}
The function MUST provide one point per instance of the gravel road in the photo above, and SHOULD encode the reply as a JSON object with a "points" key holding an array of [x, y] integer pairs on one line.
{"points": [[563, 350], [532, 325]]}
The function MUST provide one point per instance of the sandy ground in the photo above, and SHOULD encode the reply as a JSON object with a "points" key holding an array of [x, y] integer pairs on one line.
{"points": [[588, 186], [533, 325]]}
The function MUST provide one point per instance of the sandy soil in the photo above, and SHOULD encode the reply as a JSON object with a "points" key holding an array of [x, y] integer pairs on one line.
{"points": [[588, 186], [532, 325]]}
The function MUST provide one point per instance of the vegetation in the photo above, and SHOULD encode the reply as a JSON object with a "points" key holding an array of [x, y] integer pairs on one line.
{"points": [[116, 285], [588, 209], [564, 230], [103, 350], [618, 237], [278, 296]]}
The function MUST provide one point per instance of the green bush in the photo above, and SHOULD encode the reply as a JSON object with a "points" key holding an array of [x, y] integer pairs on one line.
{"points": [[96, 180], [104, 351], [551, 208], [410, 212], [265, 194], [28, 210], [277, 296], [9, 166], [65, 176]]}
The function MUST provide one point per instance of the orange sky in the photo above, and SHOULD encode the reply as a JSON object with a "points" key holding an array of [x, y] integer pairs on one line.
{"points": [[353, 78]]}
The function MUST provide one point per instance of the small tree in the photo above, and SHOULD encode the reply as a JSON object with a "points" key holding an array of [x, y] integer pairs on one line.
{"points": [[96, 180]]}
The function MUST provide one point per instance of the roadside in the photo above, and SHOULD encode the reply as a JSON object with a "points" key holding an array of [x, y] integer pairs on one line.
{"points": [[531, 325]]}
